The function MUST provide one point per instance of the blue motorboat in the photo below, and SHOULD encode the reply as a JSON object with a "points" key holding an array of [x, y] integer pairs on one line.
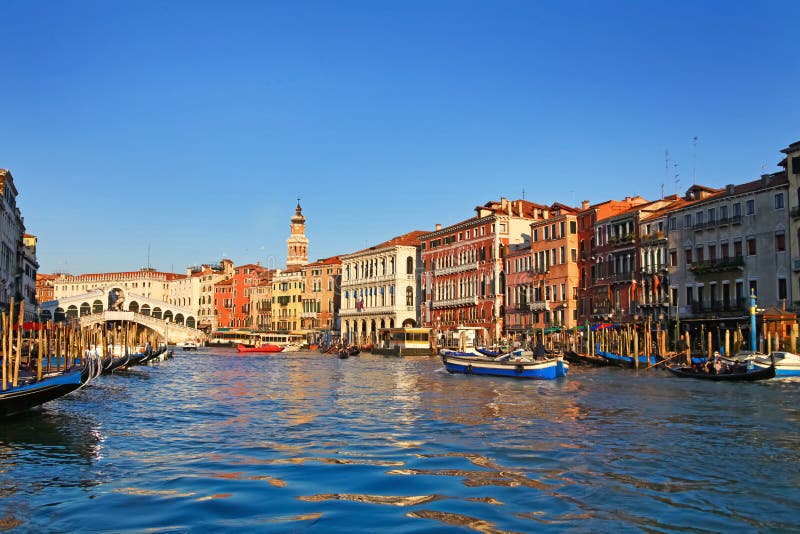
{"points": [[511, 366]]}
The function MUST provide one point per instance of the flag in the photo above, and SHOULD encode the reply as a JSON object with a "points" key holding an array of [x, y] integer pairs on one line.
{"points": [[633, 291], [610, 295], [656, 284]]}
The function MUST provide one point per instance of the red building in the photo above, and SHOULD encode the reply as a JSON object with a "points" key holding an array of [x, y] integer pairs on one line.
{"points": [[45, 284], [232, 296], [463, 280]]}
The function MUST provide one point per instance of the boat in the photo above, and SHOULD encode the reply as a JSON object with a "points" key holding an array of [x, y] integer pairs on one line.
{"points": [[497, 353], [292, 347], [787, 364], [30, 392], [585, 359], [741, 373], [265, 348], [627, 361], [188, 345], [511, 366]]}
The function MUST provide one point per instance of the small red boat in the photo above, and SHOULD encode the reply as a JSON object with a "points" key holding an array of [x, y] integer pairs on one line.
{"points": [[266, 347]]}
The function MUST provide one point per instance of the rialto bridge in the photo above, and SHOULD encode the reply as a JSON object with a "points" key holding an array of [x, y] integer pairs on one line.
{"points": [[101, 305]]}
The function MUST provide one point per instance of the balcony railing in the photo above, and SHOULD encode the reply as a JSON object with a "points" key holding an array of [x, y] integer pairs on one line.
{"points": [[471, 266], [461, 301], [720, 265], [541, 305]]}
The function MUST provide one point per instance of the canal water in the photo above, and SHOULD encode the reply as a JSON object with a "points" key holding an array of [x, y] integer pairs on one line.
{"points": [[215, 442]]}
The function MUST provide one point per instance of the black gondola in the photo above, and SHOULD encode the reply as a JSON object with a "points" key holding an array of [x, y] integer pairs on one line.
{"points": [[585, 359], [31, 392], [745, 375]]}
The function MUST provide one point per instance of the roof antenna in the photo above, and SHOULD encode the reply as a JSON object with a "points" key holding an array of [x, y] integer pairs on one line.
{"points": [[148, 255], [523, 194], [694, 159]]}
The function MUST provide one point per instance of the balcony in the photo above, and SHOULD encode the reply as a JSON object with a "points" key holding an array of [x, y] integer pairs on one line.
{"points": [[621, 240], [622, 277], [541, 305], [471, 266], [653, 236], [461, 301], [721, 265], [366, 310]]}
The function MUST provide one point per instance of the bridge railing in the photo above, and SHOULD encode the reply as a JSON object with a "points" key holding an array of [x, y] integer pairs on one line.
{"points": [[175, 331]]}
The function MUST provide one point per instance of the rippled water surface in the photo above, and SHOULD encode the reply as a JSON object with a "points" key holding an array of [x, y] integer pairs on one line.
{"points": [[213, 441]]}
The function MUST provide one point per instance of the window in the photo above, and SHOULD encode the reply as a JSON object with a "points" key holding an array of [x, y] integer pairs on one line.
{"points": [[687, 220], [688, 255], [712, 252], [699, 252], [781, 288], [698, 218], [673, 258], [573, 227], [672, 223], [712, 215], [751, 207], [779, 201], [723, 247], [535, 234], [751, 246], [737, 248], [737, 209], [780, 242], [723, 213], [689, 295]]}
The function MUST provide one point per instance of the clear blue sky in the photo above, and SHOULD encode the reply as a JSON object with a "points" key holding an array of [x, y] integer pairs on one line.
{"points": [[190, 128]]}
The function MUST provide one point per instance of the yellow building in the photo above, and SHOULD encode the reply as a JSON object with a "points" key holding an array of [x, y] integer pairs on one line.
{"points": [[287, 299]]}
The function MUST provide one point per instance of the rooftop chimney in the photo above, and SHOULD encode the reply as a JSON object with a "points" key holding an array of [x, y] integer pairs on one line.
{"points": [[585, 205], [438, 226], [729, 189]]}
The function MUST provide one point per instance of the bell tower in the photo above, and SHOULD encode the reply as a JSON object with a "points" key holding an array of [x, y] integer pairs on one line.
{"points": [[297, 243]]}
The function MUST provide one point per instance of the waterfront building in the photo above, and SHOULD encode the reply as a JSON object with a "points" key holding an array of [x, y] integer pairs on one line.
{"points": [[594, 306], [729, 242], [321, 296], [44, 287], [519, 288], [195, 290], [232, 296], [380, 288], [12, 229], [287, 299], [28, 267], [261, 300], [463, 279], [791, 164], [618, 250], [146, 282], [555, 271]]}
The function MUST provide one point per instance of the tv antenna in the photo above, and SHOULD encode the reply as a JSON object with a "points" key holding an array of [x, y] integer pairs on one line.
{"points": [[694, 159]]}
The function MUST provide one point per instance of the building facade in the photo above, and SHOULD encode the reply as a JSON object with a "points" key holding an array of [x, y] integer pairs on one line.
{"points": [[380, 288], [45, 287], [15, 255], [555, 271], [232, 296], [287, 299], [321, 295], [727, 243], [463, 276], [261, 301]]}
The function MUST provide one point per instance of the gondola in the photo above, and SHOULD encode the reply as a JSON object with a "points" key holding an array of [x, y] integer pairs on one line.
{"points": [[585, 359], [31, 392], [747, 375]]}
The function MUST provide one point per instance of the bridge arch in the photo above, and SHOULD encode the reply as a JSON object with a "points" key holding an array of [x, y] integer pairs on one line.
{"points": [[85, 309], [156, 312], [72, 312], [168, 315], [145, 309], [46, 315], [97, 306], [179, 319], [133, 306], [60, 315], [190, 322]]}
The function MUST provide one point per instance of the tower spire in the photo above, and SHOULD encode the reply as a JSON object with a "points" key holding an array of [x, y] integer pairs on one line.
{"points": [[297, 243]]}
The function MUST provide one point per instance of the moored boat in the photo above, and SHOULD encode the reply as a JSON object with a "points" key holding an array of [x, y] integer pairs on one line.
{"points": [[513, 366], [787, 364], [585, 359], [265, 348]]}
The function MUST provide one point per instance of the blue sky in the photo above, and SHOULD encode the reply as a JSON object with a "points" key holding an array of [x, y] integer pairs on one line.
{"points": [[189, 128]]}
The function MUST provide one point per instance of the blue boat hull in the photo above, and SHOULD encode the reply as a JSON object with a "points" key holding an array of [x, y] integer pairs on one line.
{"points": [[627, 361], [539, 370]]}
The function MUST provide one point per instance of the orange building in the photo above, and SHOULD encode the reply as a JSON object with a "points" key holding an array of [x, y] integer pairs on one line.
{"points": [[232, 296], [554, 264], [45, 287]]}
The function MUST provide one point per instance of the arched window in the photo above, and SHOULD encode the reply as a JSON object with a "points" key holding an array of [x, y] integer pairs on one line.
{"points": [[85, 309], [97, 306], [409, 296], [410, 265], [190, 322]]}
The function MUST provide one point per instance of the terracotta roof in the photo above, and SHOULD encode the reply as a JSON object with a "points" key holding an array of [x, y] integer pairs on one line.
{"points": [[227, 282]]}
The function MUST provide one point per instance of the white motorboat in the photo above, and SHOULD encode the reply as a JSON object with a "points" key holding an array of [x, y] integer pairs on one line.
{"points": [[786, 363]]}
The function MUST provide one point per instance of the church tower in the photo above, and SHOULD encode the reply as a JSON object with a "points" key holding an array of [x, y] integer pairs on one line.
{"points": [[297, 244]]}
